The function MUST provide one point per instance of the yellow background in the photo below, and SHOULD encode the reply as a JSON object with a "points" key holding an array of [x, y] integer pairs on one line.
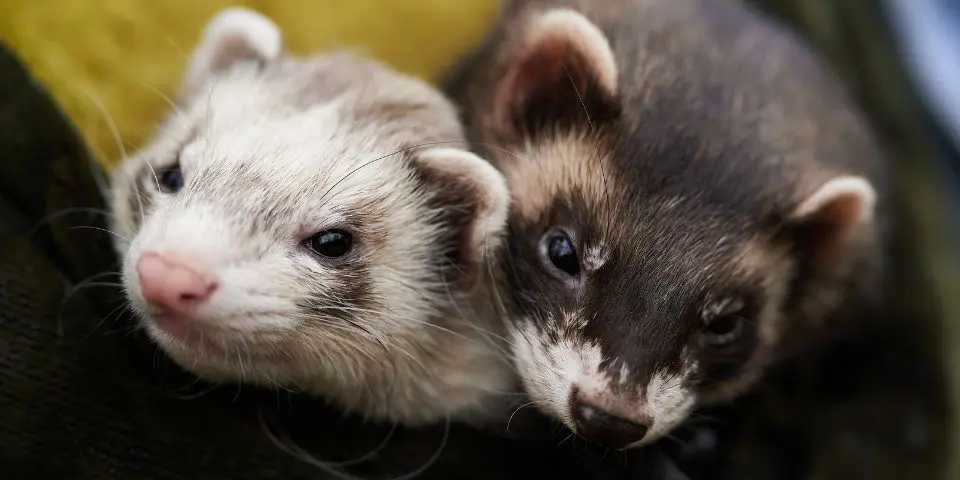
{"points": [[114, 58]]}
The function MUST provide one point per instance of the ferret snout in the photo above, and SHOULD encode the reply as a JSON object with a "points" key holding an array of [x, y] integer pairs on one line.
{"points": [[604, 425], [173, 283], [606, 428]]}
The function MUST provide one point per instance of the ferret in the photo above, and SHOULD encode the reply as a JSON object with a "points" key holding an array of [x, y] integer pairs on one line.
{"points": [[694, 199], [317, 224]]}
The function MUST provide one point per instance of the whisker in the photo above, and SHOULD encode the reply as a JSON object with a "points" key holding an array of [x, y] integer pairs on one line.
{"points": [[240, 354], [676, 440], [156, 180], [287, 445], [176, 46], [65, 211], [395, 315], [586, 111], [72, 290], [119, 310], [98, 173], [705, 418], [126, 330], [100, 229], [170, 103], [565, 439], [515, 412], [579, 97], [323, 198], [433, 459], [139, 194], [194, 396], [110, 123], [485, 334]]}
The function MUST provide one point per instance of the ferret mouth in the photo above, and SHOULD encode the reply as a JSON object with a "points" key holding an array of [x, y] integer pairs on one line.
{"points": [[180, 331], [202, 338]]}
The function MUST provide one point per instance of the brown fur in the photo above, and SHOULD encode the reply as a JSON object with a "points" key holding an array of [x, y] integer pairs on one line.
{"points": [[690, 174]]}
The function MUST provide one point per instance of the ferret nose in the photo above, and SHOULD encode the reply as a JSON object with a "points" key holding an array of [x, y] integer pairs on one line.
{"points": [[605, 428], [172, 283]]}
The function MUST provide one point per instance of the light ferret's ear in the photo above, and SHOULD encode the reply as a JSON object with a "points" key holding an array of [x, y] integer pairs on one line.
{"points": [[831, 217], [233, 36], [472, 196], [560, 71]]}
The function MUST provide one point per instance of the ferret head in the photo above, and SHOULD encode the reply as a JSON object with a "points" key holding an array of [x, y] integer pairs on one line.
{"points": [[671, 220], [308, 223]]}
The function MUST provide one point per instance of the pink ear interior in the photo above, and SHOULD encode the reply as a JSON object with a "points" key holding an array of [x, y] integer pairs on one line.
{"points": [[829, 217], [233, 36], [561, 67], [474, 197], [549, 69]]}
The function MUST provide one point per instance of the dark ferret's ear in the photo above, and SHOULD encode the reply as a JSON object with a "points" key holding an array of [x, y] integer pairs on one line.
{"points": [[828, 220], [233, 36], [472, 197], [559, 72]]}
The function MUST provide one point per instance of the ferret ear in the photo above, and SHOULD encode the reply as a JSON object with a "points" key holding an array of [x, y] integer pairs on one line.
{"points": [[561, 70], [827, 220], [233, 36], [473, 197]]}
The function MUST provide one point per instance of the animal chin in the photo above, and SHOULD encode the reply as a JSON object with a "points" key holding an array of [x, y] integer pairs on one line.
{"points": [[178, 331]]}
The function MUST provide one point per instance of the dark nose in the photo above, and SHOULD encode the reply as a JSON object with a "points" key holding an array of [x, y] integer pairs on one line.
{"points": [[606, 429]]}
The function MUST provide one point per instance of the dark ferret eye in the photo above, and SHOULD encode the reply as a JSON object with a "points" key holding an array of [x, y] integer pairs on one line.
{"points": [[170, 178], [725, 321], [724, 327], [561, 253], [331, 243], [723, 330]]}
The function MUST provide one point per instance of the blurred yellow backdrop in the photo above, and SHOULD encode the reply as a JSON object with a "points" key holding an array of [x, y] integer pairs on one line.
{"points": [[115, 58]]}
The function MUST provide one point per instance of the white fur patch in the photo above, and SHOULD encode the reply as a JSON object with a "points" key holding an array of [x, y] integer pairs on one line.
{"points": [[550, 371], [669, 403], [595, 256]]}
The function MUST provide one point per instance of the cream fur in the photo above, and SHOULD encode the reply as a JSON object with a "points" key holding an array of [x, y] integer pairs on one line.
{"points": [[273, 152]]}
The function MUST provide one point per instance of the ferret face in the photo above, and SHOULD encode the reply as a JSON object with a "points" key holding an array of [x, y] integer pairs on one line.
{"points": [[633, 304], [281, 231], [278, 243], [667, 225]]}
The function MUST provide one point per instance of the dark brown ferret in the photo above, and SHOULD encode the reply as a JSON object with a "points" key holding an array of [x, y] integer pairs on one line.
{"points": [[694, 198]]}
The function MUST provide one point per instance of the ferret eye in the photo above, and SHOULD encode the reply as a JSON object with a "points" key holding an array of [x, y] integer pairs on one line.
{"points": [[331, 243], [722, 330], [170, 178], [561, 254]]}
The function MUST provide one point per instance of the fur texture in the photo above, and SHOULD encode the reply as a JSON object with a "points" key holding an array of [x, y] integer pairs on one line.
{"points": [[723, 200], [274, 149]]}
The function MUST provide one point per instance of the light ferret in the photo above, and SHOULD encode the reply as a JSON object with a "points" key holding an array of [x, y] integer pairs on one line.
{"points": [[695, 199], [316, 224]]}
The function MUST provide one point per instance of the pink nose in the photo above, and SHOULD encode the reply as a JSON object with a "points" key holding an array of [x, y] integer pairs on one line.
{"points": [[173, 283]]}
